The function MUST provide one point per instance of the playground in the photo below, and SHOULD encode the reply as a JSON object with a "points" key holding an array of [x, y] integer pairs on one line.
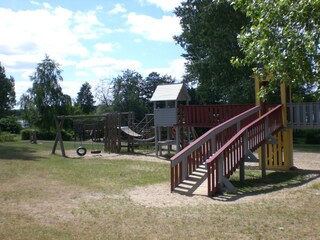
{"points": [[143, 194], [235, 134]]}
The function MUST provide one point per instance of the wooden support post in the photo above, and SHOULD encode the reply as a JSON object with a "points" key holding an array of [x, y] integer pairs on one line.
{"points": [[242, 172], [118, 133], [241, 165], [263, 160], [220, 172], [184, 170], [246, 154], [177, 139], [159, 145], [56, 139], [168, 138], [156, 140], [59, 137]]}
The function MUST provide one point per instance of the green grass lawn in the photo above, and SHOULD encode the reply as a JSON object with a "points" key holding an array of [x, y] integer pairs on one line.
{"points": [[45, 196], [96, 174]]}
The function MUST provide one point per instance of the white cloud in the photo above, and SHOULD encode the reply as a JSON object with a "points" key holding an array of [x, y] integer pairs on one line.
{"points": [[137, 40], [106, 66], [21, 88], [87, 25], [176, 69], [104, 47], [71, 88], [154, 29], [99, 8], [39, 31], [82, 74], [165, 5], [27, 35], [34, 3], [47, 5], [118, 8]]}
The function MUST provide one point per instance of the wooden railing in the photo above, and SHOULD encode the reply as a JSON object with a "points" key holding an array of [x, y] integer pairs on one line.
{"points": [[210, 115], [188, 159], [304, 115], [227, 159]]}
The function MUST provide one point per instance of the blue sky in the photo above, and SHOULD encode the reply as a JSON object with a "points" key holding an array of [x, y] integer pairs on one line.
{"points": [[90, 39]]}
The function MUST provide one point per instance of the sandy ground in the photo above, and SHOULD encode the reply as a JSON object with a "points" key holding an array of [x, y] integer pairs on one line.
{"points": [[159, 195]]}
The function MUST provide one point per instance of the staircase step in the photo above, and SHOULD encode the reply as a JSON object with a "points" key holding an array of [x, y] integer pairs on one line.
{"points": [[195, 184], [189, 181]]}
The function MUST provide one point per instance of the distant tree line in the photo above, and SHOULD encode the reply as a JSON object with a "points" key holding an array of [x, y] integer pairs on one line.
{"points": [[45, 99]]}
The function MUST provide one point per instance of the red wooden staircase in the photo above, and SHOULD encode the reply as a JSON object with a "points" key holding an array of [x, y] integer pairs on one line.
{"points": [[224, 148]]}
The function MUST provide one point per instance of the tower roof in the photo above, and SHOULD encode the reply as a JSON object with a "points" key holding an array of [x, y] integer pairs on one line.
{"points": [[171, 92]]}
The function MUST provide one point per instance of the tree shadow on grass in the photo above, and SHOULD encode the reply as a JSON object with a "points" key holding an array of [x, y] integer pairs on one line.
{"points": [[274, 181], [19, 153]]}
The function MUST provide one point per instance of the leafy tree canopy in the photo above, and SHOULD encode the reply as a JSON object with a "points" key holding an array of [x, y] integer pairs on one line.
{"points": [[45, 99], [7, 93], [209, 37], [132, 92], [127, 95], [152, 81], [282, 40], [10, 124], [85, 98]]}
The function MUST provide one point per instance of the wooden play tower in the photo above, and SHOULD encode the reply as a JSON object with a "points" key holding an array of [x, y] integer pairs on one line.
{"points": [[227, 145], [166, 100]]}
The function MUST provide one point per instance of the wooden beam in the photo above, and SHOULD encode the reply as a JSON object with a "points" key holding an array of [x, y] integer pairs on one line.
{"points": [[59, 125]]}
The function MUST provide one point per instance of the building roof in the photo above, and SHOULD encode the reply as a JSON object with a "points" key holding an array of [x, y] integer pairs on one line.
{"points": [[171, 92]]}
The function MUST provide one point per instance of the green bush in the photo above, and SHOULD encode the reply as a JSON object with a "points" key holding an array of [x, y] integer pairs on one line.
{"points": [[7, 137], [41, 135], [312, 137], [10, 124], [67, 135], [25, 133]]}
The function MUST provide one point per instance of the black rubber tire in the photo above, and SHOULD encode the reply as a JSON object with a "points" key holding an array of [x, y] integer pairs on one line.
{"points": [[81, 151]]}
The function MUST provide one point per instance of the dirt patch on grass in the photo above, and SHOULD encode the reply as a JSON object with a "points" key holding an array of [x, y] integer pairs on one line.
{"points": [[149, 157], [49, 202], [52, 201], [159, 195]]}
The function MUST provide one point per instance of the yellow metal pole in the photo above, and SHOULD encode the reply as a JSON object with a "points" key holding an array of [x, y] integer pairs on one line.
{"points": [[287, 133], [257, 88]]}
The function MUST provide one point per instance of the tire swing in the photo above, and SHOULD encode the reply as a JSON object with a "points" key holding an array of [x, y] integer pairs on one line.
{"points": [[81, 151]]}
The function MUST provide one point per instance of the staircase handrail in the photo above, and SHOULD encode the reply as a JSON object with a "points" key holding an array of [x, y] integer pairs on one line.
{"points": [[196, 153], [249, 138]]}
